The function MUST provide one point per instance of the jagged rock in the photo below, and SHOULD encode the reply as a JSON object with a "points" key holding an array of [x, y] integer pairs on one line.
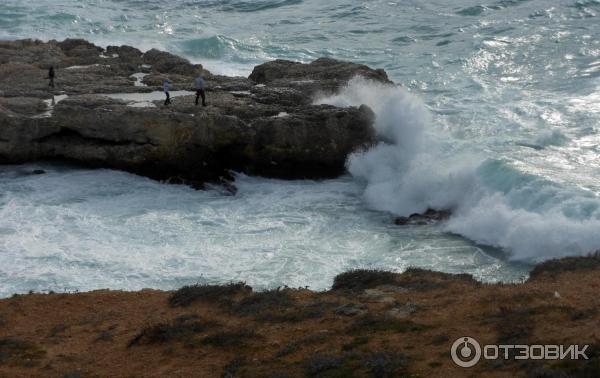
{"points": [[29, 51], [428, 217], [257, 128], [127, 54], [323, 75], [80, 51], [165, 62]]}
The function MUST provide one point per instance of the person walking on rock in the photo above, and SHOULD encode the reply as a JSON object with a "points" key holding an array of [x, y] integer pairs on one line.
{"points": [[51, 76], [166, 86], [199, 83]]}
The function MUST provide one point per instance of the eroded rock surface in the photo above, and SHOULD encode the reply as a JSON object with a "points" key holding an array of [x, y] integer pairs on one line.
{"points": [[107, 110]]}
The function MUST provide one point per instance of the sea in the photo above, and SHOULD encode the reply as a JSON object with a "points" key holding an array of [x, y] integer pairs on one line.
{"points": [[496, 116]]}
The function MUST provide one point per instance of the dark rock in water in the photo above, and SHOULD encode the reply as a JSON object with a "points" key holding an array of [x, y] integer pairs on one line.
{"points": [[229, 188], [263, 125], [166, 62], [428, 217], [38, 172], [323, 75]]}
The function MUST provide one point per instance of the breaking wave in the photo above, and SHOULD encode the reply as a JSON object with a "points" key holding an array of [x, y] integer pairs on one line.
{"points": [[417, 166]]}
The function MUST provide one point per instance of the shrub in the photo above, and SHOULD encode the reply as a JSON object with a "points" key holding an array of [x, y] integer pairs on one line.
{"points": [[361, 279], [372, 324], [258, 303], [566, 264], [19, 352], [229, 338], [356, 342], [294, 314], [296, 345], [385, 364], [181, 329], [210, 293], [318, 364]]}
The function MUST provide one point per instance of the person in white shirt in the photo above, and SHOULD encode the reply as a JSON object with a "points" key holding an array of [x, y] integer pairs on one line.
{"points": [[199, 83], [166, 86]]}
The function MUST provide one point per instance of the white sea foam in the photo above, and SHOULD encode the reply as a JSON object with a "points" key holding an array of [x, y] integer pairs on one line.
{"points": [[73, 229], [418, 166]]}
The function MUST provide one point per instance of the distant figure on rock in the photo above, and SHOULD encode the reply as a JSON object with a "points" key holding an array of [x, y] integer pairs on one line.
{"points": [[166, 86], [51, 76], [199, 83]]}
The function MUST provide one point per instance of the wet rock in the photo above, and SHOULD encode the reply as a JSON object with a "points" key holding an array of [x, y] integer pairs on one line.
{"points": [[429, 217]]}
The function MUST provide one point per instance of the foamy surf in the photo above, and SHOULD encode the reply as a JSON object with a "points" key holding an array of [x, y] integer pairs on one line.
{"points": [[419, 166]]}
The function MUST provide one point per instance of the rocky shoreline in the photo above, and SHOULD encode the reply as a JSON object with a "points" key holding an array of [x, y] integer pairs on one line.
{"points": [[106, 111], [370, 324]]}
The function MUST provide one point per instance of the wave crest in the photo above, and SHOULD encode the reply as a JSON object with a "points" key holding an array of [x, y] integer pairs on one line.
{"points": [[417, 166]]}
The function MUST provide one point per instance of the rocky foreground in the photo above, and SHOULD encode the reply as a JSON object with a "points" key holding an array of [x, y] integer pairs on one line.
{"points": [[107, 110], [370, 324]]}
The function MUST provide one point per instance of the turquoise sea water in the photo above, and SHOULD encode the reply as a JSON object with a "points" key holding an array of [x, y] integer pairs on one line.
{"points": [[498, 118]]}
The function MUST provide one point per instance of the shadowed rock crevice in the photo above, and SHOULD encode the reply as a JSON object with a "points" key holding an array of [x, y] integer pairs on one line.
{"points": [[74, 137]]}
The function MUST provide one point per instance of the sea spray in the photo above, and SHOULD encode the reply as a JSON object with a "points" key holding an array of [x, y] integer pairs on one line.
{"points": [[418, 166]]}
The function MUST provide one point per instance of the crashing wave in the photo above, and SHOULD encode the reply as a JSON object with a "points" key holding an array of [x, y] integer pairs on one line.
{"points": [[417, 167]]}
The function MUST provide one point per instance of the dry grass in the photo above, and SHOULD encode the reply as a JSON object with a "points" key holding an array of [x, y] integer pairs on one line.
{"points": [[230, 331]]}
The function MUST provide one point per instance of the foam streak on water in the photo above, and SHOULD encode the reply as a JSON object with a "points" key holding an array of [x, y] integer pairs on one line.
{"points": [[84, 229]]}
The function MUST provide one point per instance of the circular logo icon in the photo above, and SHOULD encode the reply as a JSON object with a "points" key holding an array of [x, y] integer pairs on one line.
{"points": [[466, 352]]}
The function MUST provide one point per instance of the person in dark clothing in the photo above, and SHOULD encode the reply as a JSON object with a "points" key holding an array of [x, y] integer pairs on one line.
{"points": [[166, 90], [51, 76], [199, 83]]}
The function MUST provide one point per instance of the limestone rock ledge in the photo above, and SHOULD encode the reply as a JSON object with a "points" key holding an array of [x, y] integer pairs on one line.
{"points": [[107, 111]]}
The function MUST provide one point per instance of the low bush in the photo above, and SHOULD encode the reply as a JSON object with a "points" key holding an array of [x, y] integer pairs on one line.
{"points": [[374, 324], [258, 303], [361, 279], [210, 293], [183, 328], [19, 352], [228, 338], [566, 264]]}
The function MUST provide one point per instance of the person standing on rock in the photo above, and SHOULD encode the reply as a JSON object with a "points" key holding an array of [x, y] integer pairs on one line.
{"points": [[51, 76], [166, 86], [199, 83]]}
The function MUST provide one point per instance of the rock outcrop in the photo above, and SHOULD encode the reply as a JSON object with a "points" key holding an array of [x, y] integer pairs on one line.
{"points": [[106, 110]]}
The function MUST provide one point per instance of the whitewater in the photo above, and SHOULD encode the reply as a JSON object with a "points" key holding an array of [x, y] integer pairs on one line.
{"points": [[495, 118]]}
